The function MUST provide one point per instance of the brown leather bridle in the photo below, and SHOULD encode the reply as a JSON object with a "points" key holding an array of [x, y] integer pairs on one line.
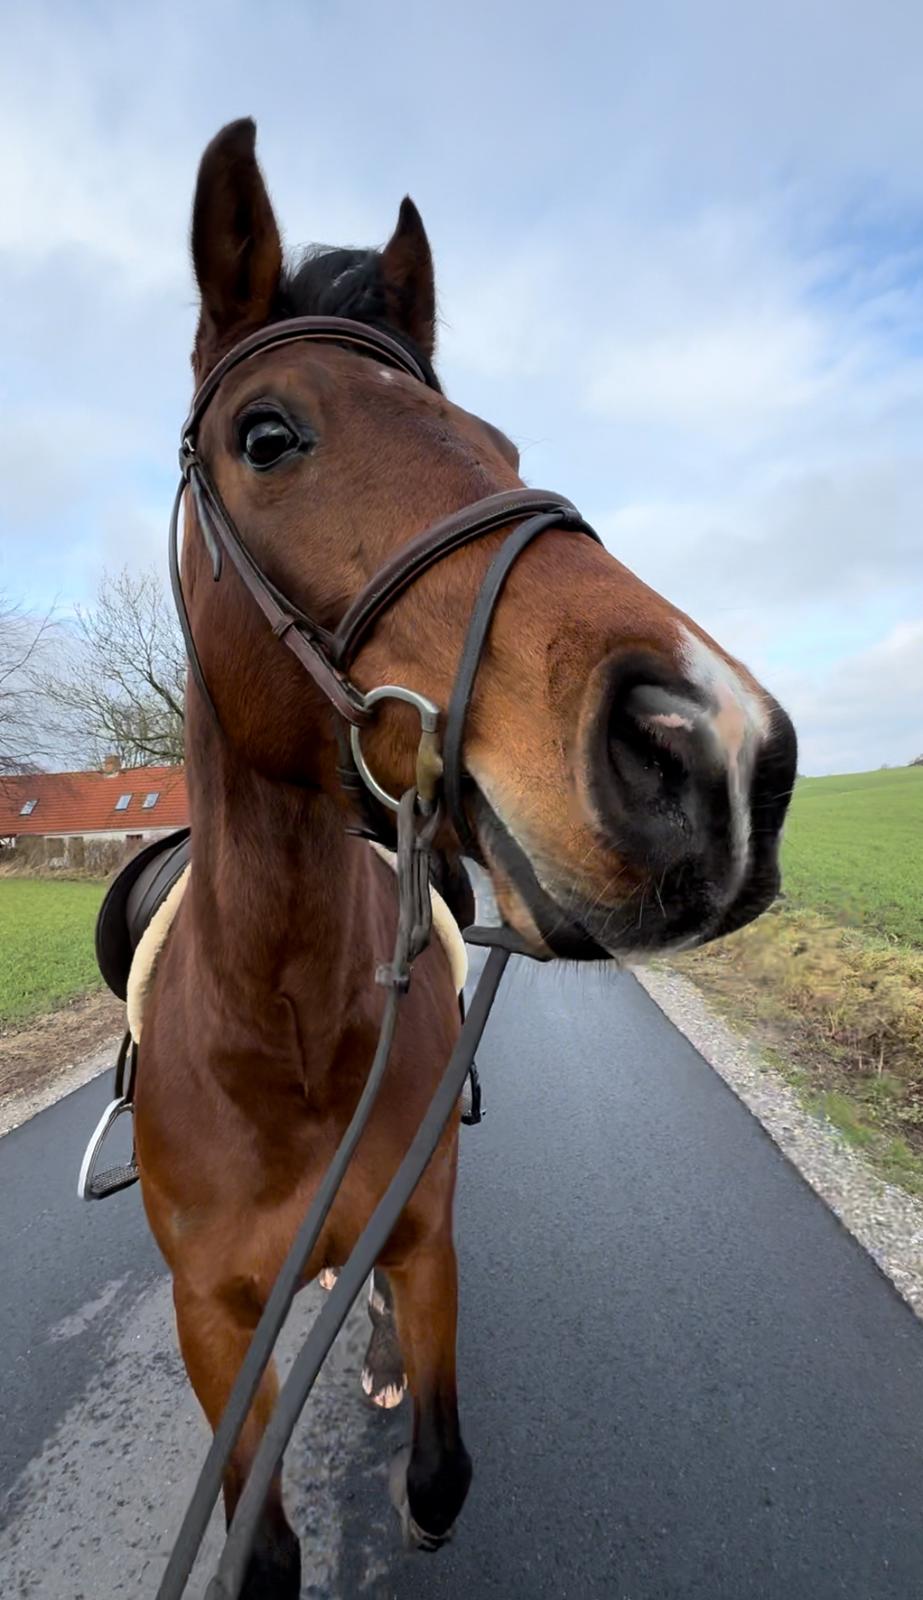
{"points": [[327, 656]]}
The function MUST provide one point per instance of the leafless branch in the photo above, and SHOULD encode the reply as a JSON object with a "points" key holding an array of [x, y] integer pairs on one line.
{"points": [[118, 685], [24, 643]]}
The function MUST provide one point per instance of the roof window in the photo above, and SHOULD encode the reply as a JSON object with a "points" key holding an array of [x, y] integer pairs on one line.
{"points": [[123, 802]]}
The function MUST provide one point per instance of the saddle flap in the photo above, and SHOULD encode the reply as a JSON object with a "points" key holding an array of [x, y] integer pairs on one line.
{"points": [[131, 900]]}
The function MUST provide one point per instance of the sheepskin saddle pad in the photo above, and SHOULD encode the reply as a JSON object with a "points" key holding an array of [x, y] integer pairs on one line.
{"points": [[155, 934]]}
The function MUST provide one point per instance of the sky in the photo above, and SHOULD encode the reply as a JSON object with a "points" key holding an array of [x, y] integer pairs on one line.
{"points": [[679, 255]]}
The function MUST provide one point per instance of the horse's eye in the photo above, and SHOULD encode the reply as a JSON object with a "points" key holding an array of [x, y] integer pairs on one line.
{"points": [[266, 438]]}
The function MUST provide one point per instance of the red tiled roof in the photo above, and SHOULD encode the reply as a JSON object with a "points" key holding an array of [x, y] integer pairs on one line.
{"points": [[84, 802]]}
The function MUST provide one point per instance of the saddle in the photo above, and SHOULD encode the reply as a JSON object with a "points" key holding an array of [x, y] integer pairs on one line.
{"points": [[132, 899], [131, 903]]}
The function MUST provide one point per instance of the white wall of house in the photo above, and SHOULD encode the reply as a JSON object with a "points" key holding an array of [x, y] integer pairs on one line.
{"points": [[116, 835]]}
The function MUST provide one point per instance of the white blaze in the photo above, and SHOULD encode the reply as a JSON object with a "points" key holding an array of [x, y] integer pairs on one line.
{"points": [[739, 722]]}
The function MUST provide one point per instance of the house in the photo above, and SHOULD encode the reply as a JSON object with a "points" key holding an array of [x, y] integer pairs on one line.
{"points": [[117, 805]]}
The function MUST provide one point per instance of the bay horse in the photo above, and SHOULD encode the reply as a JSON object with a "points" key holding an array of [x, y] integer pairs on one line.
{"points": [[622, 775]]}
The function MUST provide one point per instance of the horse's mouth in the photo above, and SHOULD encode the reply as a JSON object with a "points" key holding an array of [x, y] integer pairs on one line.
{"points": [[546, 926], [676, 915]]}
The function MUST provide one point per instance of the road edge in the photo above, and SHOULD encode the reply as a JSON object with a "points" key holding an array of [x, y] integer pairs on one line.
{"points": [[884, 1220], [25, 1105]]}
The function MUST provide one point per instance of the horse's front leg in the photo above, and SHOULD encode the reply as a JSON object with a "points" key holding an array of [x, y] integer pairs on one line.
{"points": [[429, 1479], [214, 1333]]}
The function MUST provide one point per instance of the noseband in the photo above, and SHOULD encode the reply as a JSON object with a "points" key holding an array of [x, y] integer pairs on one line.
{"points": [[327, 656]]}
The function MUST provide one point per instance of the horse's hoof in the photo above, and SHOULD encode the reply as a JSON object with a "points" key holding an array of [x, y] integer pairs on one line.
{"points": [[327, 1278], [387, 1395], [414, 1537]]}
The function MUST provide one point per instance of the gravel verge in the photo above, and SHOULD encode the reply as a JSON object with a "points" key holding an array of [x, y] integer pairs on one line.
{"points": [[886, 1221]]}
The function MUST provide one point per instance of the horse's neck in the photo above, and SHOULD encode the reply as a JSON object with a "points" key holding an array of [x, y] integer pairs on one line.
{"points": [[278, 890]]}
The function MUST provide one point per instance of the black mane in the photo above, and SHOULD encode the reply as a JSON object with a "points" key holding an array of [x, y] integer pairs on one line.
{"points": [[331, 282]]}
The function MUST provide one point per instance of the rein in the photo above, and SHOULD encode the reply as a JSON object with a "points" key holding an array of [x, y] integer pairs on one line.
{"points": [[438, 791]]}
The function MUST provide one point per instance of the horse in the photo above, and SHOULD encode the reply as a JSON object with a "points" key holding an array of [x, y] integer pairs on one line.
{"points": [[624, 784]]}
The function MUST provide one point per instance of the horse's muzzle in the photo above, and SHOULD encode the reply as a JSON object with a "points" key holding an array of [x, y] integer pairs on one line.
{"points": [[690, 790]]}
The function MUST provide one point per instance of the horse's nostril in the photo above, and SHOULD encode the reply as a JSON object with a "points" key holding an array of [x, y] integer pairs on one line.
{"points": [[661, 776], [680, 775], [662, 711], [675, 721], [660, 748], [652, 735], [647, 768]]}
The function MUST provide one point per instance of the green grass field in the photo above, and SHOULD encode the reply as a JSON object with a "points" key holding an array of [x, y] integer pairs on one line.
{"points": [[46, 944], [854, 849]]}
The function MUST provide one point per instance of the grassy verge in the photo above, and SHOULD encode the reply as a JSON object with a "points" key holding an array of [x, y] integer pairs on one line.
{"points": [[46, 937], [841, 1013], [830, 982]]}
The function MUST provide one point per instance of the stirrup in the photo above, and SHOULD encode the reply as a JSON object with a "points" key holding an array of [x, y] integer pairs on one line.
{"points": [[94, 1185]]}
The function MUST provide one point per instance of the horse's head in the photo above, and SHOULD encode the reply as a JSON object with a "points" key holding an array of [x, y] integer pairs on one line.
{"points": [[623, 769]]}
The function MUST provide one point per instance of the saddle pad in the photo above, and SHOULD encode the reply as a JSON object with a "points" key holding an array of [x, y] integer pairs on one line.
{"points": [[144, 959], [154, 938]]}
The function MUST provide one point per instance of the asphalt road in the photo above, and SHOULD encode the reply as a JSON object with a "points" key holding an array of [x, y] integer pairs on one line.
{"points": [[680, 1378]]}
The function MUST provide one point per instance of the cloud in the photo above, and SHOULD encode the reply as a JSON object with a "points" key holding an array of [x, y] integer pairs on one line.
{"points": [[688, 281], [831, 535], [866, 710]]}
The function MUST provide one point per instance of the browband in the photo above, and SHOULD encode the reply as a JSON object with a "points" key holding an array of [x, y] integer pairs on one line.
{"points": [[327, 330]]}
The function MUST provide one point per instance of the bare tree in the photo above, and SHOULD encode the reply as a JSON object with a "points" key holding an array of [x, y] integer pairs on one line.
{"points": [[23, 642], [119, 683]]}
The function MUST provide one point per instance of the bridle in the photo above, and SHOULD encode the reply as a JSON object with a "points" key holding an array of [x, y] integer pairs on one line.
{"points": [[328, 656]]}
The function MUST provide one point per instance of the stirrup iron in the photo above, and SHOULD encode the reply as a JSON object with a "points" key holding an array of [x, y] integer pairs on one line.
{"points": [[93, 1184]]}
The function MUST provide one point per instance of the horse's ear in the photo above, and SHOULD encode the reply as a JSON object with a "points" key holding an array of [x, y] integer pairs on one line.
{"points": [[236, 250], [407, 274]]}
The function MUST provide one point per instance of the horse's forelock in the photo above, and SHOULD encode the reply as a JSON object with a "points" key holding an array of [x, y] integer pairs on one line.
{"points": [[326, 281]]}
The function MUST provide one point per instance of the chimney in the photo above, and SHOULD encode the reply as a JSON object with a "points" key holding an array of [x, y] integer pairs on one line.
{"points": [[111, 765]]}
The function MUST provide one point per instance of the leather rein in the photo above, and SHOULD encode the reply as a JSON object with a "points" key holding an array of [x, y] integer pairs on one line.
{"points": [[327, 656]]}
